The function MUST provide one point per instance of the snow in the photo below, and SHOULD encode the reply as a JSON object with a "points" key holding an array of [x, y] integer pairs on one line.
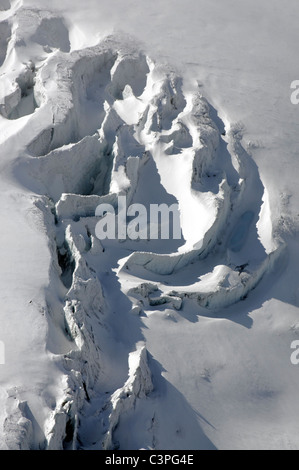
{"points": [[185, 342]]}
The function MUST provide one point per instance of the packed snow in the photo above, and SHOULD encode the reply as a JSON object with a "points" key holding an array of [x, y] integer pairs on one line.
{"points": [[148, 343]]}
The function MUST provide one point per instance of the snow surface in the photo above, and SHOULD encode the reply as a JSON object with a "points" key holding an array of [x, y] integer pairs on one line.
{"points": [[152, 344]]}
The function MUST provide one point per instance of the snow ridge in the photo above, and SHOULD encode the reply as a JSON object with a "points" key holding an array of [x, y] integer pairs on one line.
{"points": [[138, 386]]}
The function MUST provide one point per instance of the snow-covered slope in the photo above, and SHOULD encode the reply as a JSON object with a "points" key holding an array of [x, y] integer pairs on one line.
{"points": [[183, 342]]}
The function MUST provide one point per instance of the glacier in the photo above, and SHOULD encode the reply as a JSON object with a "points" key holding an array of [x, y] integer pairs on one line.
{"points": [[183, 342]]}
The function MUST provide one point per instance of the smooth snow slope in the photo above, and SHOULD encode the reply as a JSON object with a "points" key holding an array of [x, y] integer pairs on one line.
{"points": [[184, 343]]}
